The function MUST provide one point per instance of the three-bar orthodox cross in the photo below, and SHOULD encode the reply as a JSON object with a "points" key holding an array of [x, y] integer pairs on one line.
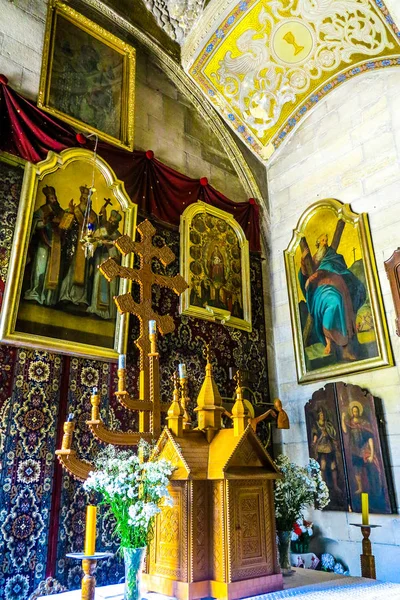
{"points": [[143, 309]]}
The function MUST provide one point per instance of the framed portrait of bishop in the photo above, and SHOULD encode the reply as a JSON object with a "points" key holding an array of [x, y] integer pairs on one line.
{"points": [[216, 264], [72, 209], [338, 321], [88, 76]]}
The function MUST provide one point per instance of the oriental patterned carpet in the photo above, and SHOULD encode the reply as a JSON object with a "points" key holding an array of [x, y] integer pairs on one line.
{"points": [[38, 389]]}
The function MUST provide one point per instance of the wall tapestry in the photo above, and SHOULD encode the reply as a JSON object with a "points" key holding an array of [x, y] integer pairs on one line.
{"points": [[338, 321], [215, 263], [346, 435], [56, 298], [392, 267], [88, 76], [11, 174]]}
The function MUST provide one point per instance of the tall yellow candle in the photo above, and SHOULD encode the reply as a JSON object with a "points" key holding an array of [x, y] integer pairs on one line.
{"points": [[90, 533], [365, 509]]}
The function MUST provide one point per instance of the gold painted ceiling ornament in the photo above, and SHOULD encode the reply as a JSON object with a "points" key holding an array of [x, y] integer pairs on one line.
{"points": [[264, 65]]}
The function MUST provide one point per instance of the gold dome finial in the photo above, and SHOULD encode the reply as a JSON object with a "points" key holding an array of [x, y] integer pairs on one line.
{"points": [[209, 402], [175, 411], [240, 415]]}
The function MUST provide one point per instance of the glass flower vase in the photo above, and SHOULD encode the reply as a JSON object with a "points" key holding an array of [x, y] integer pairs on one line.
{"points": [[133, 558], [284, 538]]}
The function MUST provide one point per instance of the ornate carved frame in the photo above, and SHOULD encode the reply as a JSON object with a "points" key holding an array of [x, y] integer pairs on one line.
{"points": [[56, 9], [360, 221], [33, 174], [392, 267], [215, 314]]}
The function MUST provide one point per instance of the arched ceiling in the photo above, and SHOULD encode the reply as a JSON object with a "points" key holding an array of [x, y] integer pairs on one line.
{"points": [[264, 64]]}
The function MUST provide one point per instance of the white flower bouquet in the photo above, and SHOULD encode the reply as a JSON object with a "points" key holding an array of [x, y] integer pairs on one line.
{"points": [[299, 488], [134, 486]]}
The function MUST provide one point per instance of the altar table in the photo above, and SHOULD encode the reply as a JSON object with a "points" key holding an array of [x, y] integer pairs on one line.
{"points": [[301, 578]]}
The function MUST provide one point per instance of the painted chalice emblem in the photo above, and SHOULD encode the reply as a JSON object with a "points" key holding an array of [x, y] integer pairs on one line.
{"points": [[290, 39]]}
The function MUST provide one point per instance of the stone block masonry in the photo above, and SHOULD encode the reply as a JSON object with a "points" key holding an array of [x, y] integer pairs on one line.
{"points": [[348, 149]]}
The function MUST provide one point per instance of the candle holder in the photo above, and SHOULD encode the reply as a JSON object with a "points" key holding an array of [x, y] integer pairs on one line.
{"points": [[187, 421], [89, 564], [367, 558]]}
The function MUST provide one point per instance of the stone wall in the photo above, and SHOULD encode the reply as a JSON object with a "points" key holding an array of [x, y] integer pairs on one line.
{"points": [[349, 149], [165, 121]]}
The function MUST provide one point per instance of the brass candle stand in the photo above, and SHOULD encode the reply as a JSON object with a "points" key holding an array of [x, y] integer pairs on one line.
{"points": [[89, 565], [367, 558]]}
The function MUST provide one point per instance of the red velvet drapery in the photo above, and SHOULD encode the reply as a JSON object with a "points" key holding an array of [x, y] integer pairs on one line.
{"points": [[158, 190]]}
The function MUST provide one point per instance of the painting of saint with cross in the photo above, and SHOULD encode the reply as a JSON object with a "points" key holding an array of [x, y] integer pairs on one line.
{"points": [[77, 209], [337, 316]]}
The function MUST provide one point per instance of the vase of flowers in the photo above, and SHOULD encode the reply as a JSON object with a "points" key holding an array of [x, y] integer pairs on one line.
{"points": [[301, 534], [133, 486], [298, 489]]}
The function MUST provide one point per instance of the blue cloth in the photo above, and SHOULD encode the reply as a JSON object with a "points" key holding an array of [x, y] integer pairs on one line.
{"points": [[338, 589], [325, 302]]}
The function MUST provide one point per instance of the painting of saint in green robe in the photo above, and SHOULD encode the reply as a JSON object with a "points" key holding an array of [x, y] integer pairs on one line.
{"points": [[337, 314], [334, 295]]}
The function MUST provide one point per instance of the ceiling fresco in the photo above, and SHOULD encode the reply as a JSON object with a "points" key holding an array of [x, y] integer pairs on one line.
{"points": [[264, 64]]}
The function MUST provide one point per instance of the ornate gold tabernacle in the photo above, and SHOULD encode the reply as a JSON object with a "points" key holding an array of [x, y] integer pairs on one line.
{"points": [[218, 538]]}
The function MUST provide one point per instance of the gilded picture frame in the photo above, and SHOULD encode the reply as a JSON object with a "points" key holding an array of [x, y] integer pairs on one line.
{"points": [[55, 297], [88, 76], [338, 321], [215, 261]]}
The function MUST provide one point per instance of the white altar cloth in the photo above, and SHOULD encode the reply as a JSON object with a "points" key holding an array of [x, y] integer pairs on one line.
{"points": [[305, 584], [108, 592]]}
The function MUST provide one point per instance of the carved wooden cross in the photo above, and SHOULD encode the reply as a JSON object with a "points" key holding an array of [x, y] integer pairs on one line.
{"points": [[146, 278]]}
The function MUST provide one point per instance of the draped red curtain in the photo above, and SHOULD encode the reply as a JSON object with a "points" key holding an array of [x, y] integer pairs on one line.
{"points": [[158, 190]]}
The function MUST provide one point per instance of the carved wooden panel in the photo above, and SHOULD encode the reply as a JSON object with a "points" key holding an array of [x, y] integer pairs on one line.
{"points": [[250, 529], [245, 455], [218, 533], [200, 519], [169, 549], [392, 266]]}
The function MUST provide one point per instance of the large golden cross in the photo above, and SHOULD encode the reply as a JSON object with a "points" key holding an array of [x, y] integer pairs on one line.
{"points": [[146, 278]]}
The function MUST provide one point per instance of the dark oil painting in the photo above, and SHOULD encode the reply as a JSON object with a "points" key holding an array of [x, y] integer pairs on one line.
{"points": [[215, 265], [345, 429], [86, 78]]}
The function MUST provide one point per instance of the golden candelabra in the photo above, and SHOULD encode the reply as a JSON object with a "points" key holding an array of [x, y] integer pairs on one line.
{"points": [[148, 405]]}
